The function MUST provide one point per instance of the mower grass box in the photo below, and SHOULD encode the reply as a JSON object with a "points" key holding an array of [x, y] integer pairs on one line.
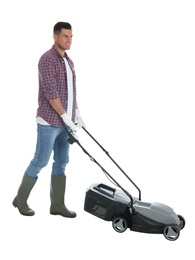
{"points": [[105, 202]]}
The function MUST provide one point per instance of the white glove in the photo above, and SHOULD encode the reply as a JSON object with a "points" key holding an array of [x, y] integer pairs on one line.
{"points": [[68, 122], [78, 119]]}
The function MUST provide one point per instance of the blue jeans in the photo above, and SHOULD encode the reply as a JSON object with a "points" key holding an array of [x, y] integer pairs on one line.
{"points": [[50, 139]]}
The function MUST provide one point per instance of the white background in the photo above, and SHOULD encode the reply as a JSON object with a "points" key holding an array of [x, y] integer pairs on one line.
{"points": [[135, 78]]}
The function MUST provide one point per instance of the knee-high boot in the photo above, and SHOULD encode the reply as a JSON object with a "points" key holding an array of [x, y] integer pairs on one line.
{"points": [[57, 194], [21, 198]]}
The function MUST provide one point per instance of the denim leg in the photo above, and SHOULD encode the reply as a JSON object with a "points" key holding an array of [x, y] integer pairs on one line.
{"points": [[61, 154], [46, 136]]}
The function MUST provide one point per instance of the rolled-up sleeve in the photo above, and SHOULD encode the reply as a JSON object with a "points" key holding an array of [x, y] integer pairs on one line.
{"points": [[47, 77]]}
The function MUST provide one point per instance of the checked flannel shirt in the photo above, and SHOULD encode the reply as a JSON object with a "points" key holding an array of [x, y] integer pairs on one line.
{"points": [[53, 84]]}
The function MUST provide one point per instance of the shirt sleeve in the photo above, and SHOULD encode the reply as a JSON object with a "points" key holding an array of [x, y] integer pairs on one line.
{"points": [[47, 78]]}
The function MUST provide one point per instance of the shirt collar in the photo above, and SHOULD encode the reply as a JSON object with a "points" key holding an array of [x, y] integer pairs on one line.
{"points": [[58, 54]]}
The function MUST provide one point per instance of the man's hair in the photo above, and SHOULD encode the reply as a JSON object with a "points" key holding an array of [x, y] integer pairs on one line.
{"points": [[61, 25]]}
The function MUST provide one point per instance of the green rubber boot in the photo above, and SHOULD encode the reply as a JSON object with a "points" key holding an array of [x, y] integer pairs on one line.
{"points": [[21, 198], [57, 193]]}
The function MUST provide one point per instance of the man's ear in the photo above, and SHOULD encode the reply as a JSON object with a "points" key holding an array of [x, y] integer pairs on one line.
{"points": [[55, 37]]}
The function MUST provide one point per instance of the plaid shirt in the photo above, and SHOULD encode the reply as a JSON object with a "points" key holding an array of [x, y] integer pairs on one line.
{"points": [[53, 84]]}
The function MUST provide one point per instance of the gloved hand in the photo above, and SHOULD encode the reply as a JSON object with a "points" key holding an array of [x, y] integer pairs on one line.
{"points": [[68, 122], [78, 120]]}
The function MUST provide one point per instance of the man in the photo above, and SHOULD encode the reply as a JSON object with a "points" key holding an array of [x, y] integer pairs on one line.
{"points": [[57, 111]]}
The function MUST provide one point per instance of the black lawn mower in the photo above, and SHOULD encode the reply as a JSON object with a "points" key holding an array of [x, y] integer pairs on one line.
{"points": [[125, 211]]}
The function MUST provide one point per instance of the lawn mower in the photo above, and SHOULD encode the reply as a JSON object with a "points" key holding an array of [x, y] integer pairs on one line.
{"points": [[125, 211]]}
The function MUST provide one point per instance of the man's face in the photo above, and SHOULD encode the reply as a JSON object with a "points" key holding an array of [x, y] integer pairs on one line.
{"points": [[64, 39]]}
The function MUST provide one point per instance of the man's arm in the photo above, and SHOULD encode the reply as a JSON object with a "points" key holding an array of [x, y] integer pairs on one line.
{"points": [[57, 106]]}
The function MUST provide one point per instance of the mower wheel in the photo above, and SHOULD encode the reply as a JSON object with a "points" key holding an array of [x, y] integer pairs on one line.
{"points": [[171, 232], [182, 220], [119, 224]]}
